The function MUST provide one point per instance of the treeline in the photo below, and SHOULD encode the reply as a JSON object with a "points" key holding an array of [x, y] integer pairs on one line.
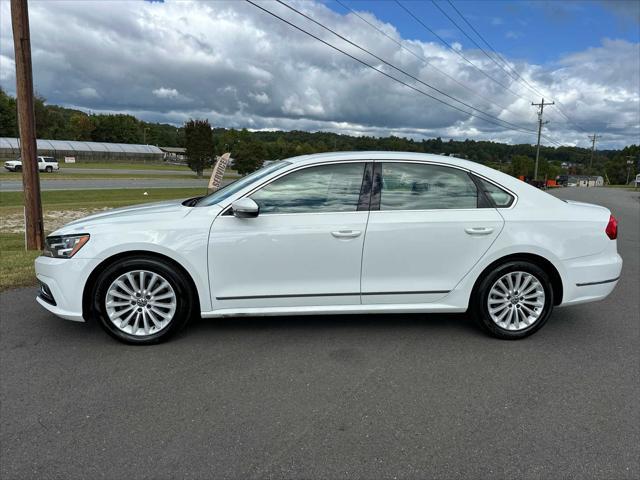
{"points": [[58, 123], [250, 149]]}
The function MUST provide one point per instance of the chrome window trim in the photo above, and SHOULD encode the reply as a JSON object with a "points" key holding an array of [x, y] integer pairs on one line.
{"points": [[225, 209]]}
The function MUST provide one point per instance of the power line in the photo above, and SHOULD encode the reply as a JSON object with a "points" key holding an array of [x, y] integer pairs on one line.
{"points": [[420, 57], [399, 69], [512, 71], [383, 72], [457, 52], [531, 87]]}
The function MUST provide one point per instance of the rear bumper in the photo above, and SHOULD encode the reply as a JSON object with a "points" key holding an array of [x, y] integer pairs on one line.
{"points": [[65, 280], [592, 278]]}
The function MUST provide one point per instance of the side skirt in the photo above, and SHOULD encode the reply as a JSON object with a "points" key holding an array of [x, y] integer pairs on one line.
{"points": [[334, 310]]}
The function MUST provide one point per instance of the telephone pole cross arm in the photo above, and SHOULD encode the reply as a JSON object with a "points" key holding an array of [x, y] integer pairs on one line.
{"points": [[34, 230], [540, 123]]}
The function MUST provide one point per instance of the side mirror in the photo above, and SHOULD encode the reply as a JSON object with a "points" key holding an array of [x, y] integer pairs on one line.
{"points": [[245, 208]]}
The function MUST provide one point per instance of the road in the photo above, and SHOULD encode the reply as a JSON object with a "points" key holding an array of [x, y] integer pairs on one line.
{"points": [[387, 396], [111, 183]]}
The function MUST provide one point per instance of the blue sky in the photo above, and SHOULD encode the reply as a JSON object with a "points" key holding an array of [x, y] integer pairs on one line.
{"points": [[536, 31]]}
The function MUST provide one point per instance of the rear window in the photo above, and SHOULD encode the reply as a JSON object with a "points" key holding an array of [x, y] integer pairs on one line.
{"points": [[500, 198], [49, 159]]}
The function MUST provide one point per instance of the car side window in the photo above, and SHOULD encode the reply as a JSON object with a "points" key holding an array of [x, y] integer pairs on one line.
{"points": [[417, 186], [324, 188], [500, 198]]}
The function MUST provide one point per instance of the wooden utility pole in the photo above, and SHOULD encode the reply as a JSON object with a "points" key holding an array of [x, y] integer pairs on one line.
{"points": [[34, 231], [540, 123], [593, 139]]}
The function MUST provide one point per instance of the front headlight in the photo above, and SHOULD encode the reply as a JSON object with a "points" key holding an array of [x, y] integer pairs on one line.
{"points": [[64, 246]]}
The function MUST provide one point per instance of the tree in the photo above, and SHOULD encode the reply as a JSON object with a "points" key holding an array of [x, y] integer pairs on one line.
{"points": [[199, 145], [117, 129], [521, 165], [249, 157], [81, 126], [8, 116]]}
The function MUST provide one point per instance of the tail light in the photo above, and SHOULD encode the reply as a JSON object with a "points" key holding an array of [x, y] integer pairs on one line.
{"points": [[612, 228]]}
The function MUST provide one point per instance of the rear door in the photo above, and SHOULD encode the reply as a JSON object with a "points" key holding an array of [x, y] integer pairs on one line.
{"points": [[427, 228]]}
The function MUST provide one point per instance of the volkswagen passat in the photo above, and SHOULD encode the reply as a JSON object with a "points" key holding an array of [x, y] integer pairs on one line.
{"points": [[337, 233]]}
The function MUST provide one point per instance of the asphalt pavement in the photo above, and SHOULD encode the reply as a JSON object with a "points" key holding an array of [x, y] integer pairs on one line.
{"points": [[110, 183], [384, 396]]}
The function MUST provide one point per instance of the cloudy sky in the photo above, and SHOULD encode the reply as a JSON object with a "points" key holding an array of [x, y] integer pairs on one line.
{"points": [[238, 66]]}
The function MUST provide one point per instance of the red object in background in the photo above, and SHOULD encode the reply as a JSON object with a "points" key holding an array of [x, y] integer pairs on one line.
{"points": [[552, 183], [612, 228], [521, 177]]}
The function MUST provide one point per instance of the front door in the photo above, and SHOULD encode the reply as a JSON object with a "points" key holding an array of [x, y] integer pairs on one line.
{"points": [[429, 231], [303, 249]]}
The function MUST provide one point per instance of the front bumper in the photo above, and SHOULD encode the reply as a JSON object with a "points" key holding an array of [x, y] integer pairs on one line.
{"points": [[65, 279], [592, 278]]}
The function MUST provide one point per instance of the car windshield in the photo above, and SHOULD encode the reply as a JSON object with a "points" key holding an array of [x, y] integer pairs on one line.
{"points": [[228, 190]]}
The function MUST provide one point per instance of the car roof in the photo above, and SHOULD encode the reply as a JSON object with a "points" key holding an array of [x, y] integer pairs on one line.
{"points": [[377, 155]]}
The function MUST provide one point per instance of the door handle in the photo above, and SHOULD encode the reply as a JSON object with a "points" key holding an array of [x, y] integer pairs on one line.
{"points": [[479, 230], [346, 233]]}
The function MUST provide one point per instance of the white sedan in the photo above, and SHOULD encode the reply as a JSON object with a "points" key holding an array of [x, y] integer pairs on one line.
{"points": [[336, 233]]}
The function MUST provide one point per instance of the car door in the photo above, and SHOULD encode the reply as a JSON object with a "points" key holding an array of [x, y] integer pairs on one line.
{"points": [[305, 246], [427, 228]]}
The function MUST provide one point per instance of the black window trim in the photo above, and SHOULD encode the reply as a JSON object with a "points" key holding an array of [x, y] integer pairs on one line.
{"points": [[476, 178]]}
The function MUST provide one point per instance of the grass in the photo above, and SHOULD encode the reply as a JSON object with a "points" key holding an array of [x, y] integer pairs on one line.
{"points": [[16, 264], [70, 199], [129, 165], [187, 175]]}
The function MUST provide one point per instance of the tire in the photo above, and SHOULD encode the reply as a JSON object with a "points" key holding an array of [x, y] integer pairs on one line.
{"points": [[17, 169], [155, 316], [48, 169], [532, 310]]}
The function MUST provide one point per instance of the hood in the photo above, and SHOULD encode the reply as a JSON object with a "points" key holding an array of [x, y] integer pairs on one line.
{"points": [[13, 162], [134, 213]]}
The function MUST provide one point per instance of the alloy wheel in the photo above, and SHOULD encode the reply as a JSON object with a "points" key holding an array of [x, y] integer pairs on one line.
{"points": [[140, 303], [516, 301]]}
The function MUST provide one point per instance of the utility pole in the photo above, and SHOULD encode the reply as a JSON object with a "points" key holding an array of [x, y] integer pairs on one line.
{"points": [[540, 123], [34, 230], [629, 163], [593, 139]]}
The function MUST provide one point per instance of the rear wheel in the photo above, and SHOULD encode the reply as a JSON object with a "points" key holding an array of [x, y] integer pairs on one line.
{"points": [[48, 169], [142, 300], [514, 300]]}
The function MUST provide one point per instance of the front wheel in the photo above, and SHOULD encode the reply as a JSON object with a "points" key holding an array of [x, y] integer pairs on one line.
{"points": [[514, 300], [142, 300]]}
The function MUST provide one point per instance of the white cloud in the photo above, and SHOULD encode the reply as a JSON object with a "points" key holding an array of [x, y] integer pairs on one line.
{"points": [[88, 93], [239, 67], [165, 92]]}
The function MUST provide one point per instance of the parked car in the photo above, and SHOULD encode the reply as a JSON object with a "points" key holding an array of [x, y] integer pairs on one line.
{"points": [[45, 164], [336, 233]]}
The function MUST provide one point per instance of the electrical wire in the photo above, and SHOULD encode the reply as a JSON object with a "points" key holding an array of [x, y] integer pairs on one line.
{"points": [[401, 70], [391, 77]]}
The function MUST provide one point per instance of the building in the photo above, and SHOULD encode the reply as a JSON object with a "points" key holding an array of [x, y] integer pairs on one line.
{"points": [[77, 151], [585, 181], [174, 154]]}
